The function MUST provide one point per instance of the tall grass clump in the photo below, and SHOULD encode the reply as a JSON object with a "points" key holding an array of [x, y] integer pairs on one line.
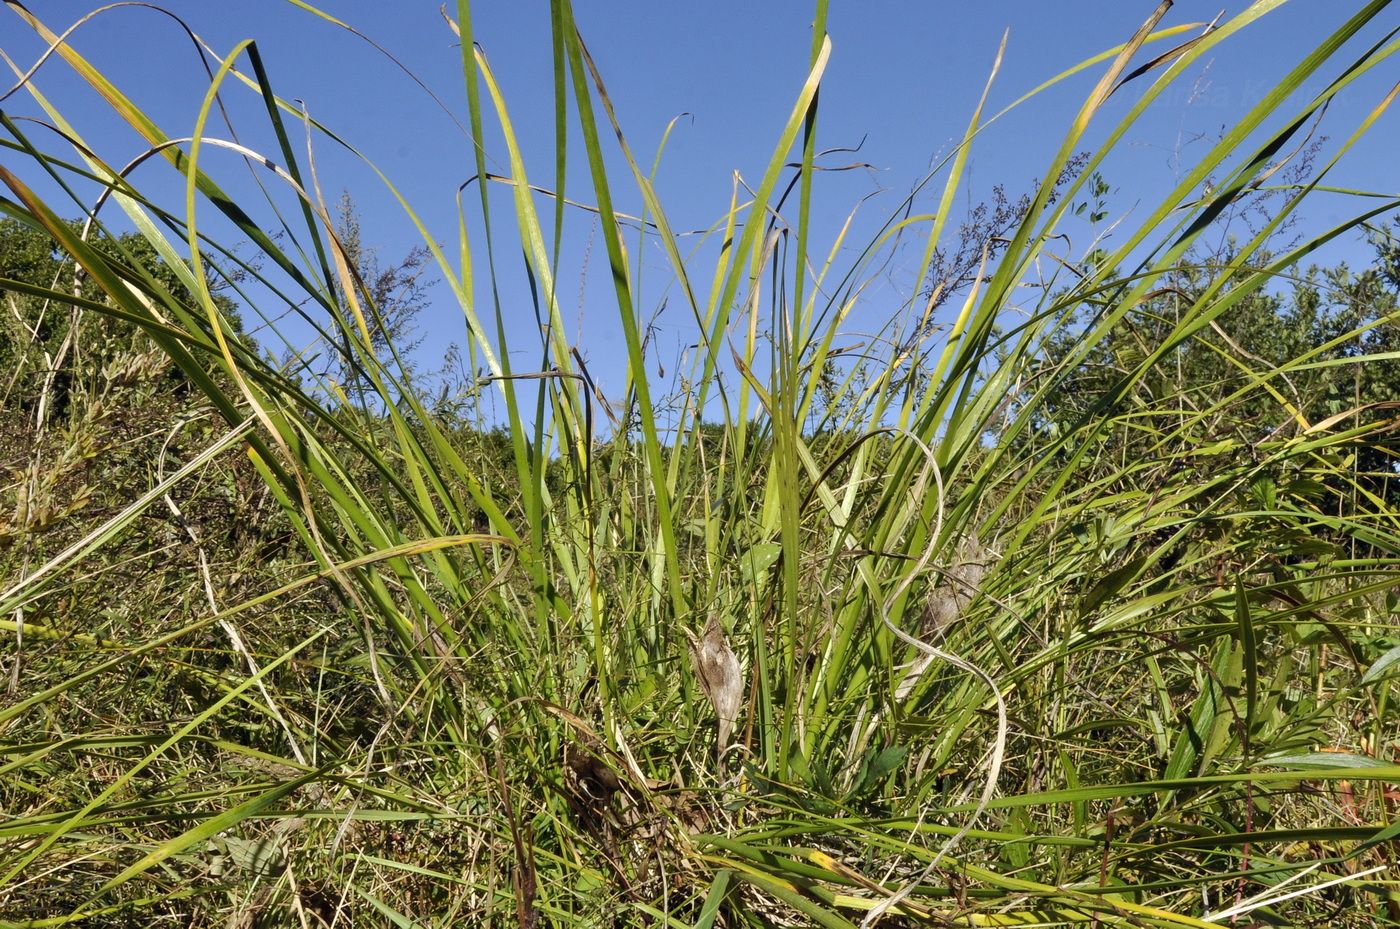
{"points": [[1011, 621]]}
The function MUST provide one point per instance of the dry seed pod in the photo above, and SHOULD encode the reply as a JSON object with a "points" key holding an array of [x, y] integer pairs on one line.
{"points": [[963, 580], [717, 668], [947, 602], [974, 561]]}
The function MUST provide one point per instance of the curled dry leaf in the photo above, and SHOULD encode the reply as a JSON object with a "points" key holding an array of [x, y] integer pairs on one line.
{"points": [[717, 668]]}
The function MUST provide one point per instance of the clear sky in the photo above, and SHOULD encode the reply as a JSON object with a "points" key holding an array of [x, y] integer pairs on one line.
{"points": [[902, 82]]}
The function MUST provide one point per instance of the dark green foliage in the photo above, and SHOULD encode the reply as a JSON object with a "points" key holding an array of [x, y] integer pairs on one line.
{"points": [[1313, 349]]}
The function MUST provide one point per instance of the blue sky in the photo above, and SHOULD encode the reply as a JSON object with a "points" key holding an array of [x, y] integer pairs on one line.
{"points": [[902, 82]]}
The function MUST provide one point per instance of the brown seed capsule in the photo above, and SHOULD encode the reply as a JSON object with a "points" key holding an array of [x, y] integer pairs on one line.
{"points": [[717, 668]]}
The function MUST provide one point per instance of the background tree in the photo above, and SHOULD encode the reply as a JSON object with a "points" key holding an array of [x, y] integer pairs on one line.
{"points": [[393, 298]]}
